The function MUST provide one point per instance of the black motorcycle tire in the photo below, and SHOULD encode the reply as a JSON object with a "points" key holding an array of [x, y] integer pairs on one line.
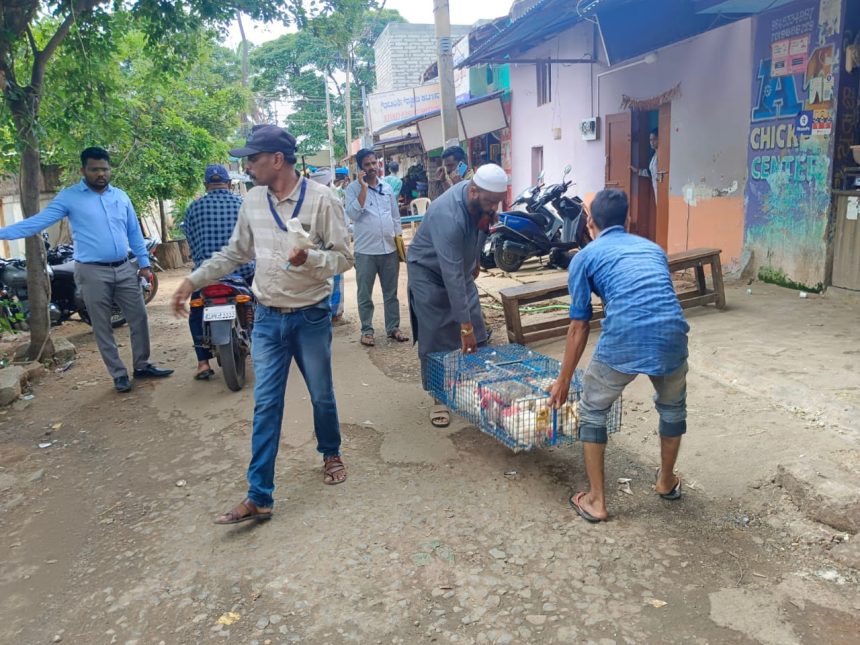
{"points": [[232, 358], [505, 260], [149, 294], [488, 260]]}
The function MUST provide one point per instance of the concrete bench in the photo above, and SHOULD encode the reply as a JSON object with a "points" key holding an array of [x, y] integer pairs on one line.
{"points": [[528, 294]]}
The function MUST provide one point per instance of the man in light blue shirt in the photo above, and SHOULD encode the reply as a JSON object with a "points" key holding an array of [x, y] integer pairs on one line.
{"points": [[372, 206], [104, 229], [644, 332]]}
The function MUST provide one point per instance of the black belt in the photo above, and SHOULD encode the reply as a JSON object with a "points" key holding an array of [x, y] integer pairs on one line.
{"points": [[118, 263]]}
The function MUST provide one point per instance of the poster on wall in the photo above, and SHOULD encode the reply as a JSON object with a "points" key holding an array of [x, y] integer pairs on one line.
{"points": [[791, 123]]}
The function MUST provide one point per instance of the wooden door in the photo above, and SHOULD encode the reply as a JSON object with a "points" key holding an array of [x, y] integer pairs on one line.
{"points": [[663, 148], [618, 159], [643, 212]]}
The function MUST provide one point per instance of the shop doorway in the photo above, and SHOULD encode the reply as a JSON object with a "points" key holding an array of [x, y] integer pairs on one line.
{"points": [[629, 165]]}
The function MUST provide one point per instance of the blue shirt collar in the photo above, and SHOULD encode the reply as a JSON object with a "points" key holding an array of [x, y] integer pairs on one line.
{"points": [[82, 184], [611, 229]]}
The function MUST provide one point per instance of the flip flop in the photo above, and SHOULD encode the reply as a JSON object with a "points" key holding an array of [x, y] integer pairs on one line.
{"points": [[673, 494], [205, 375], [573, 500], [367, 340], [440, 416]]}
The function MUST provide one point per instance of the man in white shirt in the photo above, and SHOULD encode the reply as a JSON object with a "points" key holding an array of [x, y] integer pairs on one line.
{"points": [[372, 206]]}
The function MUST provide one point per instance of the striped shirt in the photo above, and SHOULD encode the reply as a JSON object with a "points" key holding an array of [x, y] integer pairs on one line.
{"points": [[644, 331], [208, 225], [258, 234]]}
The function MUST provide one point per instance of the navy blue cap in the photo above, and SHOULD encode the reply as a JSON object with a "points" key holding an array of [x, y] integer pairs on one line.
{"points": [[216, 174], [267, 138]]}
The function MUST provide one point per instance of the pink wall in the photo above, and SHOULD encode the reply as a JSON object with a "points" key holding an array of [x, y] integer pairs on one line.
{"points": [[710, 120]]}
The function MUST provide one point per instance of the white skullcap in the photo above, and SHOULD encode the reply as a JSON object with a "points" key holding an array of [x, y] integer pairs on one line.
{"points": [[322, 176], [491, 178]]}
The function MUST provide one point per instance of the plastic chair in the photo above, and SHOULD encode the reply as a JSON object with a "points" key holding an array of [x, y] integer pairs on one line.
{"points": [[417, 209]]}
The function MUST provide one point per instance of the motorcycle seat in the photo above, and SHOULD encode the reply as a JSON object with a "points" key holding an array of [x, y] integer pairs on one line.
{"points": [[537, 218], [65, 267]]}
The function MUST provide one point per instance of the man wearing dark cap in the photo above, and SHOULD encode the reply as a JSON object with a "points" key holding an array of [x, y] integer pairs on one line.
{"points": [[293, 319], [208, 224]]}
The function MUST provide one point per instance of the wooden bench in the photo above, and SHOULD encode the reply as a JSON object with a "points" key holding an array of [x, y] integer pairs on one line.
{"points": [[528, 294]]}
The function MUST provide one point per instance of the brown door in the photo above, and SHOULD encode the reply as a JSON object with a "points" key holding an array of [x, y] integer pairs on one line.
{"points": [[618, 173], [643, 214], [663, 147]]}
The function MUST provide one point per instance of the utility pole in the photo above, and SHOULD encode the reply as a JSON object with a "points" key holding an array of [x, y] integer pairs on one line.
{"points": [[347, 98], [247, 118], [445, 62], [330, 129]]}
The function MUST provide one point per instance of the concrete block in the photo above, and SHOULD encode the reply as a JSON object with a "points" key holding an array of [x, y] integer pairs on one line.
{"points": [[847, 553], [10, 384], [64, 351], [825, 491]]}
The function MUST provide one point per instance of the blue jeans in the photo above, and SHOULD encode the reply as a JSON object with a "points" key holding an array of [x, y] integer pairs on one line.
{"points": [[278, 338], [602, 385], [195, 323]]}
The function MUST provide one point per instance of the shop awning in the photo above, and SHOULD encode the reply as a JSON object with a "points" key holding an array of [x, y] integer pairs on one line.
{"points": [[477, 117]]}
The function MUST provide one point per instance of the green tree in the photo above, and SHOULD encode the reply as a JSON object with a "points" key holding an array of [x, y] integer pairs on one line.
{"points": [[24, 58], [334, 49]]}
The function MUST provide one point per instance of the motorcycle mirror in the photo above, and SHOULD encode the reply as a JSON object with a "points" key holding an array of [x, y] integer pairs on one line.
{"points": [[567, 170], [540, 176]]}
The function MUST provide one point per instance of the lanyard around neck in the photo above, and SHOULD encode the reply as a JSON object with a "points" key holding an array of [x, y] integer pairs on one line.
{"points": [[296, 210]]}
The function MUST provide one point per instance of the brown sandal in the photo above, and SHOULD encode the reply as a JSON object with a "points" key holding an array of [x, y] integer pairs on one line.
{"points": [[399, 336], [367, 340], [251, 512], [334, 472]]}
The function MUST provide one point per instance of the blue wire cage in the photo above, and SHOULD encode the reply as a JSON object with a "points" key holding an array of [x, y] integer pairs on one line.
{"points": [[504, 390]]}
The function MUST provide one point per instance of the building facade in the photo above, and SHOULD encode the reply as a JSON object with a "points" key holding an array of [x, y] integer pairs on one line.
{"points": [[404, 51]]}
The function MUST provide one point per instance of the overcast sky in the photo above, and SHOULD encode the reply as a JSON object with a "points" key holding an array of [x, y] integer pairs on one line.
{"points": [[463, 12]]}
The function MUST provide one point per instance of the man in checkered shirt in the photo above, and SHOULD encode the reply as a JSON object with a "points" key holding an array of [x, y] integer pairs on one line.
{"points": [[209, 223]]}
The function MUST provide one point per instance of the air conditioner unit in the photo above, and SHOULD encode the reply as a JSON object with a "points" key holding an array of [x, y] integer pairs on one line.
{"points": [[589, 128]]}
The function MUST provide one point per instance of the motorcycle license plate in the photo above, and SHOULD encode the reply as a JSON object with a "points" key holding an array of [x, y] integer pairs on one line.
{"points": [[219, 312]]}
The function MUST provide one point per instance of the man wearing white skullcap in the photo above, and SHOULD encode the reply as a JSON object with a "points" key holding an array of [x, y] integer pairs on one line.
{"points": [[442, 264]]}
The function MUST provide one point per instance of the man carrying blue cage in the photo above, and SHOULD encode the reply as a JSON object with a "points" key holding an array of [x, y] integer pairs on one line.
{"points": [[644, 332]]}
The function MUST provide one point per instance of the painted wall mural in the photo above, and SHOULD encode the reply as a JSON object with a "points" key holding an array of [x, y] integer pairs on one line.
{"points": [[790, 140]]}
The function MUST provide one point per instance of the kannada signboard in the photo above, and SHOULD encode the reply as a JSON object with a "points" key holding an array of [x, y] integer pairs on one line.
{"points": [[390, 107]]}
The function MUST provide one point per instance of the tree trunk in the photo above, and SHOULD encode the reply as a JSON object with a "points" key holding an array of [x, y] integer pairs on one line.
{"points": [[164, 233], [38, 284]]}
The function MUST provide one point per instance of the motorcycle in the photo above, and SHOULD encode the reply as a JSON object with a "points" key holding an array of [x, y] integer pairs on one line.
{"points": [[66, 298], [228, 319], [538, 230]]}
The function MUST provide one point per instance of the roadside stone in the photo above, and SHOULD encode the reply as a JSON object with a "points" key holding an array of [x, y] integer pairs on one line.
{"points": [[37, 476], [10, 384], [824, 492], [33, 370], [64, 351], [262, 623], [536, 619], [498, 554], [274, 619], [848, 553]]}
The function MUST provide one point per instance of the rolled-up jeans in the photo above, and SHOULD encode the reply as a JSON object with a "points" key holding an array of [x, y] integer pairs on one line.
{"points": [[602, 385], [278, 338]]}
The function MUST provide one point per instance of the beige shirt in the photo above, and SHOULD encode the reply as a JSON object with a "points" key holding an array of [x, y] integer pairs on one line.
{"points": [[257, 235]]}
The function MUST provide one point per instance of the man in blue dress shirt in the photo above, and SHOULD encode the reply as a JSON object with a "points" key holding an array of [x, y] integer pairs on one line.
{"points": [[644, 332], [104, 229], [208, 225]]}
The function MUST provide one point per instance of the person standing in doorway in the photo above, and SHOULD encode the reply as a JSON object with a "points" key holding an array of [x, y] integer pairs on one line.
{"points": [[372, 207], [208, 225], [104, 229], [442, 262], [644, 332], [651, 171], [292, 318]]}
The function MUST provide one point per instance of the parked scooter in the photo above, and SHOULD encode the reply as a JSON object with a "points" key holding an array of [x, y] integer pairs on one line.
{"points": [[537, 230], [228, 318]]}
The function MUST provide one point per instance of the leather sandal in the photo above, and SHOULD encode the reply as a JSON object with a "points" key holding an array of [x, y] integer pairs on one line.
{"points": [[334, 472], [244, 511]]}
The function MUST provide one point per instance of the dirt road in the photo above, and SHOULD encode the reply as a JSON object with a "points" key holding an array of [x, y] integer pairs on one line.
{"points": [[438, 536]]}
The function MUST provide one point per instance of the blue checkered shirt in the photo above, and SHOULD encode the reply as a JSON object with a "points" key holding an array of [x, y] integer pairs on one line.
{"points": [[209, 223], [644, 331]]}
